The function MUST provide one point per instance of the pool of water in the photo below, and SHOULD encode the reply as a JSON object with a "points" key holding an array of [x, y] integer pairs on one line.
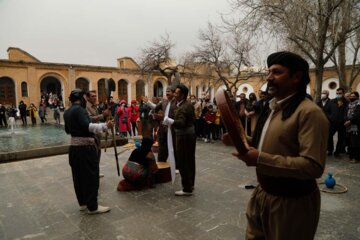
{"points": [[26, 138]]}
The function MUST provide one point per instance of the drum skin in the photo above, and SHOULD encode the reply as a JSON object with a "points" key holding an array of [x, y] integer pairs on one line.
{"points": [[232, 121]]}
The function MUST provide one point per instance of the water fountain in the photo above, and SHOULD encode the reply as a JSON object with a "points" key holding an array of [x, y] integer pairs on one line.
{"points": [[19, 142], [24, 142], [12, 124]]}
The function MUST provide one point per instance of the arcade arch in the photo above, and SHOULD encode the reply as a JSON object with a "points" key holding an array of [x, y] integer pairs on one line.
{"points": [[331, 85], [24, 89], [197, 90], [123, 90], [245, 88], [140, 89], [82, 83], [101, 89], [51, 85], [7, 91], [203, 91], [158, 89]]}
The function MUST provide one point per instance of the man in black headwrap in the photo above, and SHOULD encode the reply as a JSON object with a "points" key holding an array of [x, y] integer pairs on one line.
{"points": [[83, 152], [289, 151]]}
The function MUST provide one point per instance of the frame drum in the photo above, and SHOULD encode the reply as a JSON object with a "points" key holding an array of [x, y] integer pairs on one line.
{"points": [[232, 121]]}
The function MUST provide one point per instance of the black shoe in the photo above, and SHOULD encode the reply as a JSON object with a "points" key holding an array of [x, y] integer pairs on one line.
{"points": [[330, 154], [336, 154]]}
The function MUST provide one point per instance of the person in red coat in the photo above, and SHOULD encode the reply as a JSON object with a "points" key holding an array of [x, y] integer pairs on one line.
{"points": [[123, 118], [133, 111], [210, 117]]}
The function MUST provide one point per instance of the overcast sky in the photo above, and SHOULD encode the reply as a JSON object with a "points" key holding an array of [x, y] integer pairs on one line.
{"points": [[97, 32]]}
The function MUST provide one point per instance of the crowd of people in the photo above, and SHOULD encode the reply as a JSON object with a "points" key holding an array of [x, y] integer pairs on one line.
{"points": [[48, 100], [343, 113], [283, 114]]}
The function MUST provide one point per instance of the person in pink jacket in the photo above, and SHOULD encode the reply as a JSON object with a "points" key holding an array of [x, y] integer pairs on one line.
{"points": [[123, 118]]}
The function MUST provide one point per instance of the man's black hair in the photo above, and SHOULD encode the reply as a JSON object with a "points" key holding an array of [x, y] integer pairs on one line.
{"points": [[183, 89], [341, 89], [356, 94]]}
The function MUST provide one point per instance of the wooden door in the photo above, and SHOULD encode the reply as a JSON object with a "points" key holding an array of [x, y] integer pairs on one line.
{"points": [[7, 91]]}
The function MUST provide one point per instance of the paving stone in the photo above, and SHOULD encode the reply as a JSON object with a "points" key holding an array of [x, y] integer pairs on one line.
{"points": [[38, 202]]}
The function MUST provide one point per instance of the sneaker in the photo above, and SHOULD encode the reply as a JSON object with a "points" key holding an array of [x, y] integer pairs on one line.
{"points": [[101, 175], [182, 193], [82, 208], [100, 209]]}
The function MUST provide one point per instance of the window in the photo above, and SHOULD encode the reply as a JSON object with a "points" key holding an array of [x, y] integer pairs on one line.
{"points": [[332, 85], [24, 91]]}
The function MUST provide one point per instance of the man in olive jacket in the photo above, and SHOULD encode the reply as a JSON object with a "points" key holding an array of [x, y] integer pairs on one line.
{"points": [[184, 124]]}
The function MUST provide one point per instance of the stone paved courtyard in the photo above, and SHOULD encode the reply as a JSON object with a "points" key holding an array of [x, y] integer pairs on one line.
{"points": [[37, 201]]}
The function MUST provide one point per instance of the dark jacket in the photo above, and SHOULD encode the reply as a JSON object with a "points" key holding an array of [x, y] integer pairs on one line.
{"points": [[184, 120], [77, 121], [355, 118], [22, 109], [337, 113], [144, 111]]}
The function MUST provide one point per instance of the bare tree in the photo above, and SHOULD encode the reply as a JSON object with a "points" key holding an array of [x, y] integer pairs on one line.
{"points": [[348, 50], [312, 26], [157, 57], [224, 54], [191, 70]]}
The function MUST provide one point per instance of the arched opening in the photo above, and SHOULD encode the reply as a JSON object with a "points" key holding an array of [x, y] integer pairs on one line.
{"points": [[24, 89], [122, 90], [211, 93], [82, 83], [245, 88], [102, 94], [203, 90], [331, 85], [140, 89], [158, 89], [7, 91], [51, 89]]}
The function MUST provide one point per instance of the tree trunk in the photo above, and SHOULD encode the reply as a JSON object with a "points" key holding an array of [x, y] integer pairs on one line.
{"points": [[318, 83], [342, 67]]}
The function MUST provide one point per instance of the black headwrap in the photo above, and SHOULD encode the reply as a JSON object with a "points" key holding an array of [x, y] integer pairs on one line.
{"points": [[139, 155], [294, 63], [76, 94]]}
